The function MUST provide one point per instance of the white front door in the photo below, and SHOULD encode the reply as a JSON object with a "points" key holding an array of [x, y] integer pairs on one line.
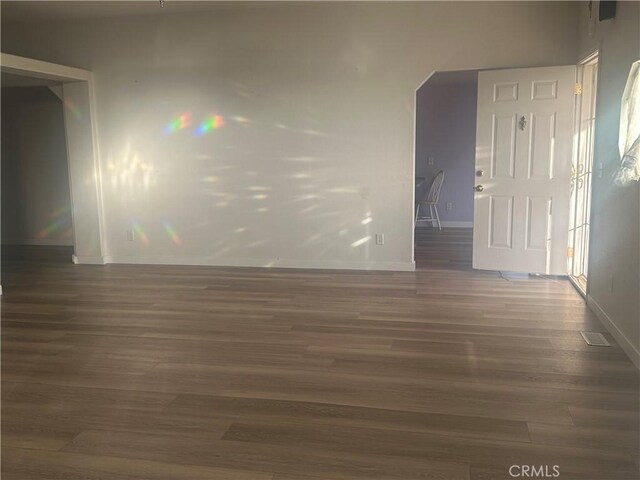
{"points": [[523, 169]]}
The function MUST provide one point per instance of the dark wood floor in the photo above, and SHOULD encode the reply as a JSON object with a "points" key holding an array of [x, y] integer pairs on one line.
{"points": [[449, 249], [135, 372]]}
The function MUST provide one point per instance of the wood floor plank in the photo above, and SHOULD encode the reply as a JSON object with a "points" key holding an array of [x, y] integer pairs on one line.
{"points": [[585, 437], [287, 411], [411, 445], [140, 372], [292, 459], [29, 464]]}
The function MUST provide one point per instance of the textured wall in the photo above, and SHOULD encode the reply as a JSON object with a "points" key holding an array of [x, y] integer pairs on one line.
{"points": [[282, 134]]}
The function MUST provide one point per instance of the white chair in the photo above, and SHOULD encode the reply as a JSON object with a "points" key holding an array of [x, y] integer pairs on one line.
{"points": [[431, 200]]}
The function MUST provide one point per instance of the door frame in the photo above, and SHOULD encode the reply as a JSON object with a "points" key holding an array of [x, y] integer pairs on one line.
{"points": [[82, 151], [584, 292]]}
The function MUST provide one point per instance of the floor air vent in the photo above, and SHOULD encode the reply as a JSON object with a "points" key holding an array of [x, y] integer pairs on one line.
{"points": [[594, 338]]}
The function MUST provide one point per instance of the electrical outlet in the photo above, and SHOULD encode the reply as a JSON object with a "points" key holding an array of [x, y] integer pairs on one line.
{"points": [[431, 160], [131, 236], [379, 238], [449, 206]]}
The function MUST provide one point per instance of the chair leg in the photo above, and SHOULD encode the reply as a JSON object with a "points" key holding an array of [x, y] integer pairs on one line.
{"points": [[435, 207], [415, 222], [431, 217]]}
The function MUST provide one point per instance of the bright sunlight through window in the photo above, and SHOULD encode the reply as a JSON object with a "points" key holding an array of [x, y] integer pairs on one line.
{"points": [[629, 140]]}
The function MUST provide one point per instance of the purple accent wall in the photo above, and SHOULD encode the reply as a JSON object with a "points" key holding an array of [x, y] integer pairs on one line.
{"points": [[446, 130]]}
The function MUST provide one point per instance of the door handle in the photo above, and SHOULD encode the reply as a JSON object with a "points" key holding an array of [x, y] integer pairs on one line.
{"points": [[522, 122], [479, 188]]}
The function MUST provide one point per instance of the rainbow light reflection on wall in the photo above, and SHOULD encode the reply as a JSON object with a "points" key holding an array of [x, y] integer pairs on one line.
{"points": [[175, 238], [51, 228], [212, 123], [72, 107], [59, 219], [140, 233], [180, 123], [58, 212]]}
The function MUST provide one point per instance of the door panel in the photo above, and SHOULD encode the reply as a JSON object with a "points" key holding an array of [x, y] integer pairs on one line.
{"points": [[544, 90], [503, 146], [537, 222], [501, 215], [543, 128], [506, 92], [523, 151]]}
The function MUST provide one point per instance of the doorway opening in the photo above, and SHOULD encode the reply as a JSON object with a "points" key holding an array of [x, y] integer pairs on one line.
{"points": [[36, 197], [582, 172], [522, 141], [74, 87], [446, 110]]}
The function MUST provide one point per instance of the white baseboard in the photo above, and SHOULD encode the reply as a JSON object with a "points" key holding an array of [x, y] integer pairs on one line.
{"points": [[276, 263], [80, 260], [632, 352], [446, 224]]}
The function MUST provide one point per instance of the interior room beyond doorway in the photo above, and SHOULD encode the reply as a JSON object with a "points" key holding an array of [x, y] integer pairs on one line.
{"points": [[446, 108], [36, 200]]}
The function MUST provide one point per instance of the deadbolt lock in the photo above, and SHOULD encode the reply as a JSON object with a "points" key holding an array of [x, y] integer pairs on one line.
{"points": [[479, 173]]}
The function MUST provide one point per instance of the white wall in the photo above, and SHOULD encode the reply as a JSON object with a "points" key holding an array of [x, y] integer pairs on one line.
{"points": [[36, 208], [328, 94], [615, 222]]}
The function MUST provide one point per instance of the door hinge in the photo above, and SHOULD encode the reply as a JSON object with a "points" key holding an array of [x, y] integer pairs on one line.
{"points": [[578, 89]]}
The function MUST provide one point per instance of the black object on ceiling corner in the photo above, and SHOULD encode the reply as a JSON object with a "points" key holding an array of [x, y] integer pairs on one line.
{"points": [[607, 9]]}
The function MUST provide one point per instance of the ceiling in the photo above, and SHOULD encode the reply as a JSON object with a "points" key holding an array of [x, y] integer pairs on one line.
{"points": [[11, 80], [38, 11]]}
